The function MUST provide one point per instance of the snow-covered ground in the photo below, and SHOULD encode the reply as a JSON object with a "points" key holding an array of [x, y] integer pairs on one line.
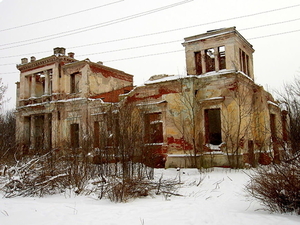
{"points": [[219, 199]]}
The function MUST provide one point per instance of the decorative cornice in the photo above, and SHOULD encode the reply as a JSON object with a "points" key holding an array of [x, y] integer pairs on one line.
{"points": [[44, 62]]}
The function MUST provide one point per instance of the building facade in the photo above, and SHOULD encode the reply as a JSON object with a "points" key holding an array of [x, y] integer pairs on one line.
{"points": [[214, 116]]}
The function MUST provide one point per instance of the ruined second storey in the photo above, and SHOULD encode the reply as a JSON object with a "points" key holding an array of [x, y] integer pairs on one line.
{"points": [[218, 50], [60, 76]]}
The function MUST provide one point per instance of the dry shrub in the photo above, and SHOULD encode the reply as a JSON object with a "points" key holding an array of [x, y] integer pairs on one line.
{"points": [[277, 186], [117, 189], [123, 190], [42, 175], [33, 177]]}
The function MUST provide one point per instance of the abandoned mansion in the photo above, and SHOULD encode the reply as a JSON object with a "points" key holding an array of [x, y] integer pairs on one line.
{"points": [[216, 115]]}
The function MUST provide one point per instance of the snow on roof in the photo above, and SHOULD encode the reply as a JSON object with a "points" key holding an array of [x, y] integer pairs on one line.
{"points": [[151, 103], [212, 73], [164, 79], [62, 100]]}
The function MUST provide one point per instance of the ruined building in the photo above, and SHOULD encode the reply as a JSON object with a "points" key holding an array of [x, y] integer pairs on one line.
{"points": [[214, 116]]}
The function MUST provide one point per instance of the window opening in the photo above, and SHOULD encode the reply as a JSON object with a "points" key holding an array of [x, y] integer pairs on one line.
{"points": [[210, 60], [244, 62], [74, 82], [222, 59], [153, 128], [213, 126], [75, 135], [39, 124], [198, 63]]}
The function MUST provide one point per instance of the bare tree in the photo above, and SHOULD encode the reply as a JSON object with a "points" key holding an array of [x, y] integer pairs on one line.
{"points": [[185, 119], [237, 116], [290, 101], [7, 137], [3, 89]]}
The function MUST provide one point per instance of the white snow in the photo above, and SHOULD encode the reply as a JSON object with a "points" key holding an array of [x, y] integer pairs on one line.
{"points": [[273, 103], [164, 79], [219, 199]]}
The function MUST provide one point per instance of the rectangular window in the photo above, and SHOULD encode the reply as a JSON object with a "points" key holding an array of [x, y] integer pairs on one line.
{"points": [[74, 83], [39, 134], [213, 126], [210, 59], [153, 128], [75, 135], [222, 59], [198, 63], [244, 62]]}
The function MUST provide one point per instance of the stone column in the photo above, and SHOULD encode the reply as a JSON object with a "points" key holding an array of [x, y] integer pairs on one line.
{"points": [[203, 63], [25, 87], [47, 82], [17, 93], [217, 59], [33, 85]]}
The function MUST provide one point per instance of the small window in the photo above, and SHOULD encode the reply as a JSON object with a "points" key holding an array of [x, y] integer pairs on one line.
{"points": [[75, 135], [222, 59], [210, 59], [213, 126], [74, 83], [153, 128], [198, 63], [244, 62]]}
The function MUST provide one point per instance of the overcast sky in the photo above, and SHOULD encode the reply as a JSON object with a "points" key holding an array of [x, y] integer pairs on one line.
{"points": [[144, 38]]}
